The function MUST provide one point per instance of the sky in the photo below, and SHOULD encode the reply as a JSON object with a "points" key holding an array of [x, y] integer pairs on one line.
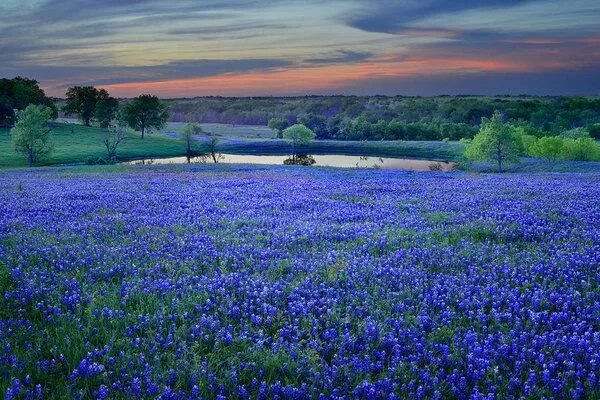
{"points": [[186, 48]]}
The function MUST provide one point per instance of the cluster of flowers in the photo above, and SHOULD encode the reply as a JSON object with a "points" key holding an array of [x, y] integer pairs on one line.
{"points": [[215, 282]]}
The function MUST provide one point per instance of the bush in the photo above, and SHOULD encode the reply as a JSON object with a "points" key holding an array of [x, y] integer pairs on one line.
{"points": [[300, 160], [582, 149], [576, 133], [549, 148], [528, 142], [594, 131]]}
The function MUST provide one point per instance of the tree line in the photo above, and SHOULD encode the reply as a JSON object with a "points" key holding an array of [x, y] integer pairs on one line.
{"points": [[502, 144], [435, 118]]}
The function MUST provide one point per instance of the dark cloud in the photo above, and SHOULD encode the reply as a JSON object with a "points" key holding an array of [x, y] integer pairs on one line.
{"points": [[391, 16], [65, 42], [225, 29], [342, 56], [92, 75], [585, 81]]}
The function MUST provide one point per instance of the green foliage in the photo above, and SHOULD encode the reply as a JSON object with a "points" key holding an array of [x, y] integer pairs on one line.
{"points": [[549, 148], [594, 131], [496, 142], [298, 135], [146, 112], [73, 144], [278, 125], [575, 133], [527, 142], [31, 135], [82, 100], [315, 122], [432, 118], [582, 149], [106, 111], [187, 135], [17, 94]]}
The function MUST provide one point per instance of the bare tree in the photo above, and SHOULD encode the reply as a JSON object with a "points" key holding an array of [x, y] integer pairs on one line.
{"points": [[115, 134], [212, 149]]}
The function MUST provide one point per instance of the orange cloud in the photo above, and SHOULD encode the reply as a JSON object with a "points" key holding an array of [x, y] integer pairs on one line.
{"points": [[307, 79]]}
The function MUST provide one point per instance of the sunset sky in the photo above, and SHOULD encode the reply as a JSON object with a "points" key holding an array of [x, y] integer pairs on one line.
{"points": [[285, 47]]}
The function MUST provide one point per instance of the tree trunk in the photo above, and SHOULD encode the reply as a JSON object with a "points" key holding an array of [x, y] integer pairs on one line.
{"points": [[30, 158], [499, 159], [499, 162], [214, 157], [142, 131], [293, 152]]}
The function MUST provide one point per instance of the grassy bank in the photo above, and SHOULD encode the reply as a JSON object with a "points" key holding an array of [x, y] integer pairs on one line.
{"points": [[76, 144]]}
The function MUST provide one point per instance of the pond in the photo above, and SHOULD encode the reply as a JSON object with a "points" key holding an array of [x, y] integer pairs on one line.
{"points": [[330, 160]]}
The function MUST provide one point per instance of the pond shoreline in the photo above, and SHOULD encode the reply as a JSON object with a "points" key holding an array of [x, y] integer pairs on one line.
{"points": [[321, 160]]}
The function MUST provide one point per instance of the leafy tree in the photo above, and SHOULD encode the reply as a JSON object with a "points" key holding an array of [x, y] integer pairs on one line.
{"points": [[298, 135], [575, 133], [7, 112], [582, 149], [549, 148], [496, 142], [527, 140], [31, 134], [314, 122], [146, 112], [594, 131], [116, 133], [17, 94], [106, 111], [278, 125], [81, 101], [187, 136]]}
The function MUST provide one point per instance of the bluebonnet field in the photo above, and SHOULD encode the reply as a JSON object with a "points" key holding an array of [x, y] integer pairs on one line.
{"points": [[181, 282]]}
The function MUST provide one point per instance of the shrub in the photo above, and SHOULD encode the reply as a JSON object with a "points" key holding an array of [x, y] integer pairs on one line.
{"points": [[549, 148], [582, 149], [575, 133]]}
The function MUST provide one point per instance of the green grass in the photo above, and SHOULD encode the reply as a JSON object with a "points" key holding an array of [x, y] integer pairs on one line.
{"points": [[75, 144], [228, 130]]}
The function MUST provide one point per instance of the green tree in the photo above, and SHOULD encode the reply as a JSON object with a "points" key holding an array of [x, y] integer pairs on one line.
{"points": [[31, 134], [187, 135], [575, 133], [582, 149], [81, 101], [594, 131], [278, 125], [17, 94], [496, 142], [527, 140], [314, 122], [549, 148], [146, 112], [298, 135], [106, 111]]}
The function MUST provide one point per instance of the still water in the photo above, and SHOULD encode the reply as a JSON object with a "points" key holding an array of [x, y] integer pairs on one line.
{"points": [[330, 160]]}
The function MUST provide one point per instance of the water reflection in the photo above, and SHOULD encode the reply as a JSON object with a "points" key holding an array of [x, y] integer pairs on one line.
{"points": [[329, 160]]}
